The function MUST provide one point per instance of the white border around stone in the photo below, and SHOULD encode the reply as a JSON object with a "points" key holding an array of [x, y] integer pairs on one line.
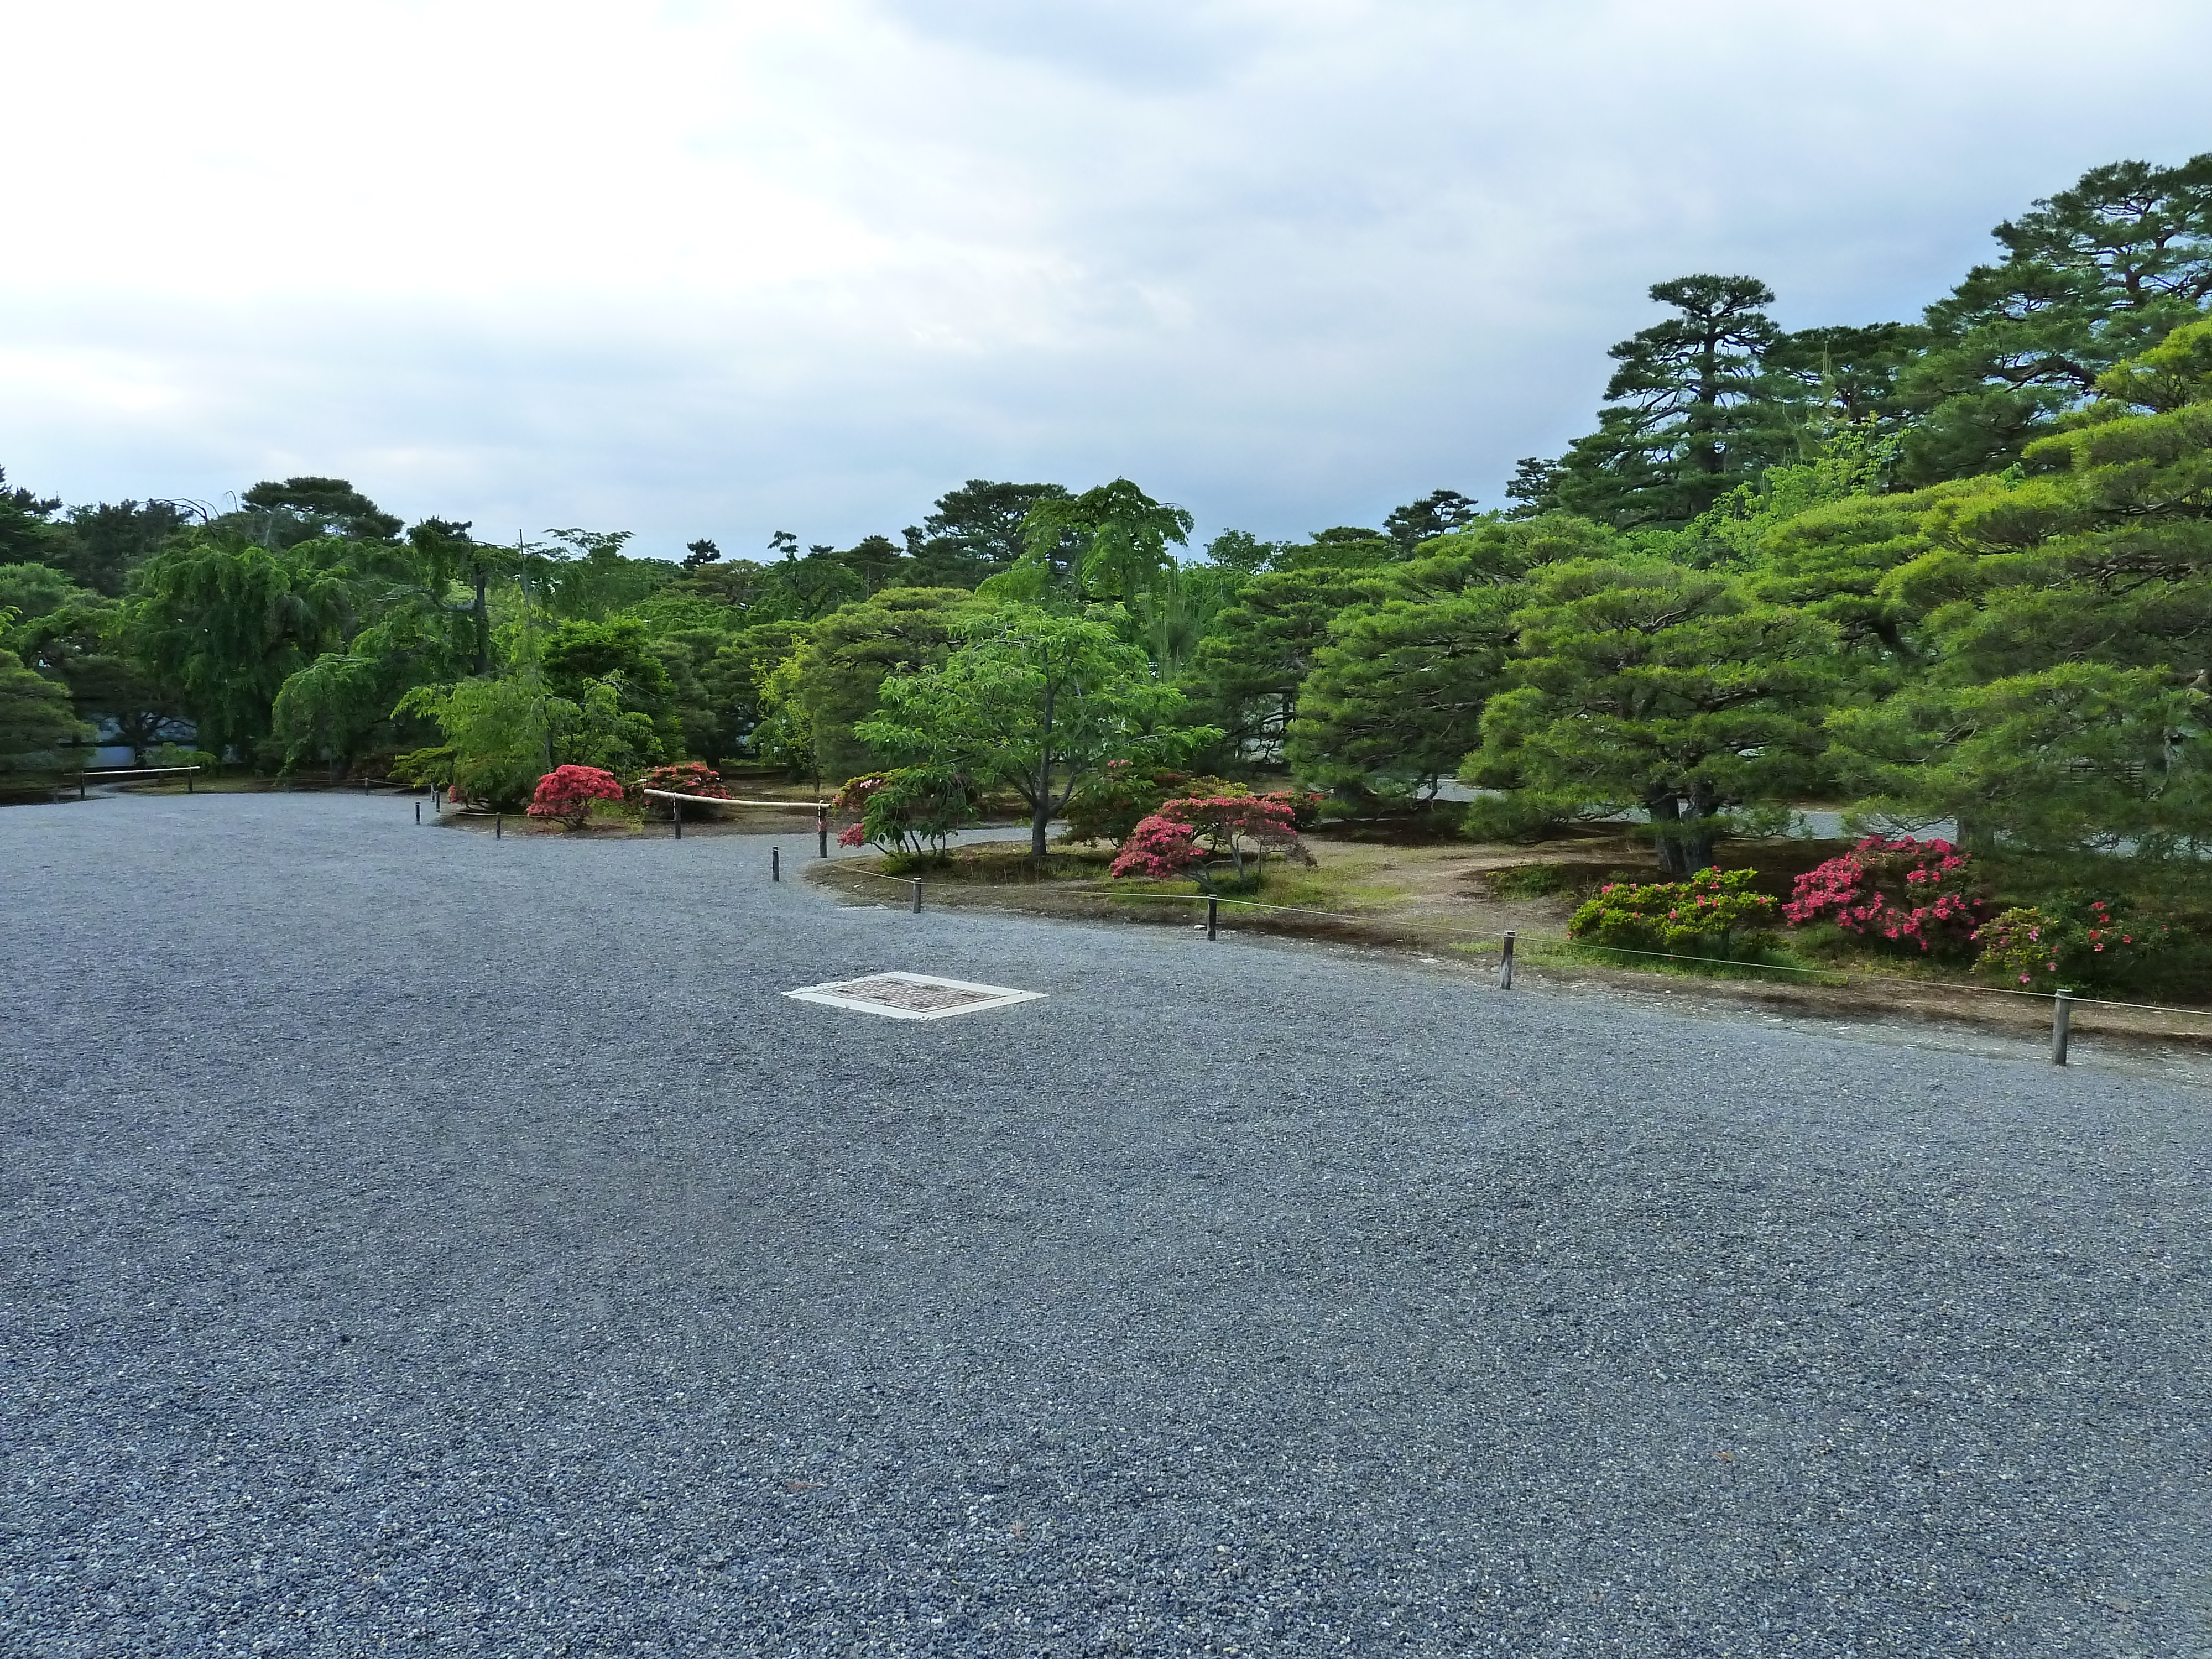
{"points": [[995, 996]]}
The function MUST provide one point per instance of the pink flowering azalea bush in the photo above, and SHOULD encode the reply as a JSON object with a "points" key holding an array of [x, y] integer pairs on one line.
{"points": [[1715, 913], [910, 813], [567, 793], [1908, 895], [2072, 941], [1185, 834]]}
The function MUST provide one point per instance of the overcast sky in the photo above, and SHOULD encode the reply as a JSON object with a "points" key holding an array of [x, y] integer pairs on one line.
{"points": [[721, 269]]}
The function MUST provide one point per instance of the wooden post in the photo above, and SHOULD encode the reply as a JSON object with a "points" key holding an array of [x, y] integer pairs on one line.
{"points": [[498, 826], [2062, 1021], [193, 777], [418, 811], [776, 863], [80, 786], [822, 832], [1505, 963], [1213, 917], [679, 808], [917, 896]]}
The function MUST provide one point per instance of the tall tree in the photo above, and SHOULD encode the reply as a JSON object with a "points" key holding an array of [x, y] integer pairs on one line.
{"points": [[1437, 513], [223, 623], [2090, 276], [1124, 535], [27, 533], [1690, 413], [975, 533], [1394, 698], [1643, 684], [303, 509]]}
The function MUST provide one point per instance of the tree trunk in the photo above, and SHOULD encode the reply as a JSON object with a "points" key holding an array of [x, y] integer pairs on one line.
{"points": [[480, 627], [1696, 842], [1666, 814], [1040, 816]]}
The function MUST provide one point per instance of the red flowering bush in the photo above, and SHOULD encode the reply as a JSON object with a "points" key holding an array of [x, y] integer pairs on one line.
{"points": [[1700, 916], [2073, 942], [1229, 825], [567, 793], [684, 778], [1892, 892], [1158, 849]]}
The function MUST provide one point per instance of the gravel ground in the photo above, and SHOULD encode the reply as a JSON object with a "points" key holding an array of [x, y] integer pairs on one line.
{"points": [[412, 1243]]}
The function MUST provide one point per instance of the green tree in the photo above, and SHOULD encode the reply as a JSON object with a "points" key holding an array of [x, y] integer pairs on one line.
{"points": [[1037, 701], [1643, 684], [27, 533], [1124, 535], [975, 533], [1437, 513], [1394, 699], [281, 515], [736, 684], [2082, 757], [1245, 675], [37, 729], [836, 673], [222, 623], [498, 737], [106, 542], [1690, 412], [2058, 617], [2093, 275]]}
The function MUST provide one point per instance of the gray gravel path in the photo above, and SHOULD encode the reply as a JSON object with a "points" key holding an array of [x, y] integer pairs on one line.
{"points": [[416, 1244]]}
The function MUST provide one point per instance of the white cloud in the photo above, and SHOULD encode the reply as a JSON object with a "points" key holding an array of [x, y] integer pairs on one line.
{"points": [[720, 269]]}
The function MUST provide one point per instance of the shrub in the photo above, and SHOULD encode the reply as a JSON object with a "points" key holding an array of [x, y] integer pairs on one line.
{"points": [[1110, 807], [2073, 941], [1211, 824], [173, 754], [1901, 893], [910, 813], [1158, 849], [1700, 916], [567, 792], [684, 778]]}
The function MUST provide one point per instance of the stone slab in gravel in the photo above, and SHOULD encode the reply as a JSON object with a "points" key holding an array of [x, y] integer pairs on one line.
{"points": [[415, 1242]]}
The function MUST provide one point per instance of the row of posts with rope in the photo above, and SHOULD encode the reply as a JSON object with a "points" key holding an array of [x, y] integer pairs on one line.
{"points": [[2062, 1001]]}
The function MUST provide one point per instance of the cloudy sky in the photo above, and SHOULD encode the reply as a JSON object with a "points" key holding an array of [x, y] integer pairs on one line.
{"points": [[720, 268]]}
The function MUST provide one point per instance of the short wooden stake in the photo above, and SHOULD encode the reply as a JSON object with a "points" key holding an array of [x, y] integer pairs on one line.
{"points": [[498, 826], [1505, 963], [418, 811], [80, 786], [917, 896], [192, 777], [2062, 1022], [679, 808], [822, 832], [776, 863], [1213, 917]]}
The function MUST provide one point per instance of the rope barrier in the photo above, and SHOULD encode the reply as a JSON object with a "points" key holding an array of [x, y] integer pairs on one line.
{"points": [[733, 800], [1843, 974]]}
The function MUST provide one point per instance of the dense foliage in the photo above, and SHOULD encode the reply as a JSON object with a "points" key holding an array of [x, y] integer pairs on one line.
{"points": [[1954, 573]]}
